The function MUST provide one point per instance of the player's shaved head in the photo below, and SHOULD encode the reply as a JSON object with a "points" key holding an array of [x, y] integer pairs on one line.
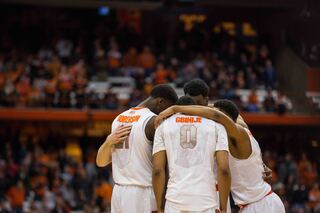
{"points": [[227, 107], [162, 96]]}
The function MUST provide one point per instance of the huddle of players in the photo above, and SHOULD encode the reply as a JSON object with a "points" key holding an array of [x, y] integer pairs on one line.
{"points": [[182, 153]]}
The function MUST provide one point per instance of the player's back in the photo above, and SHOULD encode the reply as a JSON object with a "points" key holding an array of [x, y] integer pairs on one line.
{"points": [[247, 184], [132, 159], [190, 143]]}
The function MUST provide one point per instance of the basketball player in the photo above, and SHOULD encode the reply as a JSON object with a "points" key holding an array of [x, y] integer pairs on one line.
{"points": [[193, 146], [132, 157], [249, 191], [198, 90]]}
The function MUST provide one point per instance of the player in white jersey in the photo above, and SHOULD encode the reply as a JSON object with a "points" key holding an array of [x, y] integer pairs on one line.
{"points": [[132, 157], [198, 90], [249, 191], [193, 146]]}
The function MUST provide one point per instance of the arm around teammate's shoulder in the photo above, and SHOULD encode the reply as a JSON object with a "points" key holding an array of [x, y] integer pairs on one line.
{"points": [[203, 111], [104, 155]]}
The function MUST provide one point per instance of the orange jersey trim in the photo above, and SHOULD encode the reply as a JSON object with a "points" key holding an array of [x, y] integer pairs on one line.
{"points": [[137, 108]]}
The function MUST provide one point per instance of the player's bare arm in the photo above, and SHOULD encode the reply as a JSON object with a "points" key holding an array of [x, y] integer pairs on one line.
{"points": [[159, 177], [207, 112], [104, 155], [224, 178]]}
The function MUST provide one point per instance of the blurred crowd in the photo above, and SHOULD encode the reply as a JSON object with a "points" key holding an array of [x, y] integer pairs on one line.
{"points": [[64, 178], [58, 76], [55, 60], [296, 180]]}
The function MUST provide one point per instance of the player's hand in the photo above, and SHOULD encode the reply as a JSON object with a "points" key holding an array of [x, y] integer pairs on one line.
{"points": [[163, 115], [119, 135], [267, 174]]}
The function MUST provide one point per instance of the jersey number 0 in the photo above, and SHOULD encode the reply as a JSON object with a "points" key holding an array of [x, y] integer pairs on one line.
{"points": [[188, 136]]}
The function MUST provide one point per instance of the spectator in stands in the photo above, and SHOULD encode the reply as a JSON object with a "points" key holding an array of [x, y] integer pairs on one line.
{"points": [[114, 59], [54, 66], [147, 60], [314, 198], [130, 59], [64, 49], [45, 53], [161, 74], [226, 92], [307, 172], [240, 82], [244, 63], [148, 86], [231, 55], [252, 81], [288, 172], [283, 104], [16, 196], [269, 75], [98, 50], [269, 104], [253, 102], [263, 55], [298, 195], [199, 62], [103, 193], [112, 101]]}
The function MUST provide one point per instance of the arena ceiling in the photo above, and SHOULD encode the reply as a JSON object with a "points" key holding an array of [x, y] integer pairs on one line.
{"points": [[154, 4]]}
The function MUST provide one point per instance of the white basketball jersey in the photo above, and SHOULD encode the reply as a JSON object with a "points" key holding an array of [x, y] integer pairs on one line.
{"points": [[132, 159], [247, 184], [190, 143]]}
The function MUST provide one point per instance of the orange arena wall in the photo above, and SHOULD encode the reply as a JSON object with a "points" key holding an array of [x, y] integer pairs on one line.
{"points": [[108, 116]]}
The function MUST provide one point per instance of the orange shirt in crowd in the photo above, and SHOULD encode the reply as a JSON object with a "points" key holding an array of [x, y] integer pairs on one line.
{"points": [[16, 196], [147, 88], [2, 80], [161, 76], [307, 173], [104, 190], [314, 197], [130, 59], [114, 62], [54, 66], [146, 59], [253, 98], [51, 86]]}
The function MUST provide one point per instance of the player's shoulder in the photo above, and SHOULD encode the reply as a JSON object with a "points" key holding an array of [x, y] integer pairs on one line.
{"points": [[209, 122]]}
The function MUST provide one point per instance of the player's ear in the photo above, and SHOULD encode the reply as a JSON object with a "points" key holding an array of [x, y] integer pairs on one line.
{"points": [[160, 101]]}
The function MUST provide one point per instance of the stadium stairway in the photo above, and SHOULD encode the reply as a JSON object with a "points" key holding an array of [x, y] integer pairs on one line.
{"points": [[293, 80]]}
